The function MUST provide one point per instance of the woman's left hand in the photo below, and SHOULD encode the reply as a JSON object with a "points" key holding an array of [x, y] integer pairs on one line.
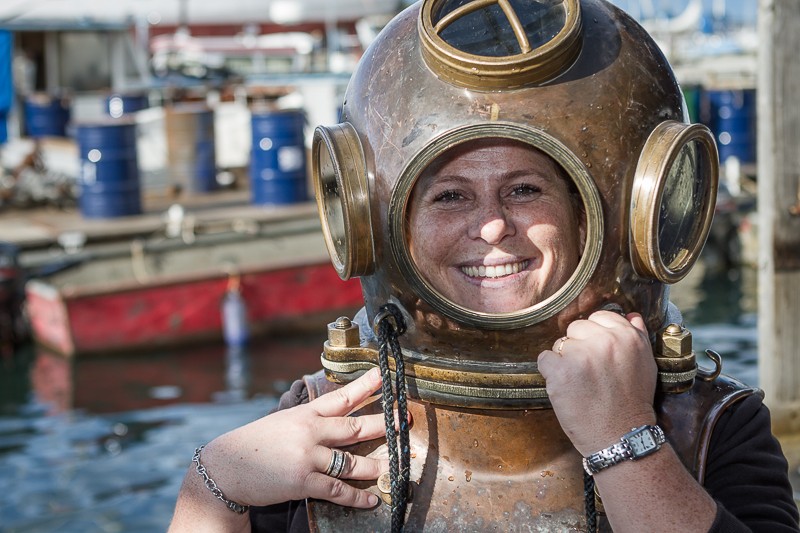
{"points": [[601, 379], [284, 456]]}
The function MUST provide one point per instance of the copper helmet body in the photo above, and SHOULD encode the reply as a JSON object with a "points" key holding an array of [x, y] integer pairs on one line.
{"points": [[577, 79]]}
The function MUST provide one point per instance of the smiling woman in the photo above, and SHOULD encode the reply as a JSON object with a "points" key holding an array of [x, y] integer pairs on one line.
{"points": [[495, 225]]}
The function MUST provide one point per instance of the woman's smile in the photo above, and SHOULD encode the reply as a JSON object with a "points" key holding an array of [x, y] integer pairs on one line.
{"points": [[498, 271]]}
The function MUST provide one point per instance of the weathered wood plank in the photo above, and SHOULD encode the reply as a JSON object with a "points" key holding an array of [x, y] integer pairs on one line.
{"points": [[779, 223]]}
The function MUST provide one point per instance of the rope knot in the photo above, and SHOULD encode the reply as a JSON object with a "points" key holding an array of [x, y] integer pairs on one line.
{"points": [[391, 316]]}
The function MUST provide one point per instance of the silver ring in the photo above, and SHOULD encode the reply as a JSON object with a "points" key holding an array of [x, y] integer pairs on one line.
{"points": [[337, 464], [561, 342]]}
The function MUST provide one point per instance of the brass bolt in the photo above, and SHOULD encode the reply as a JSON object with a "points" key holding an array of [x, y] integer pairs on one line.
{"points": [[385, 483], [343, 333], [385, 488], [674, 341]]}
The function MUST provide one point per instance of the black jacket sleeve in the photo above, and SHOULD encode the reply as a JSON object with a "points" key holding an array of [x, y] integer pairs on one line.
{"points": [[747, 473]]}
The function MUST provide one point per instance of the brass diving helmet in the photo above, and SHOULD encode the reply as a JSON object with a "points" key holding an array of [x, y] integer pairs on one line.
{"points": [[581, 82]]}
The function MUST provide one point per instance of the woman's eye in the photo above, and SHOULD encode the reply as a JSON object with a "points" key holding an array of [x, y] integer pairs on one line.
{"points": [[447, 196], [523, 189]]}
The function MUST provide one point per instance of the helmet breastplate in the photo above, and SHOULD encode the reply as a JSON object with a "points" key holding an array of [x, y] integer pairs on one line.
{"points": [[511, 470]]}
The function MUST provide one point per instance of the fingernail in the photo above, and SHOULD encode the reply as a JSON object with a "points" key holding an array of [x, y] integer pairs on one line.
{"points": [[372, 500]]}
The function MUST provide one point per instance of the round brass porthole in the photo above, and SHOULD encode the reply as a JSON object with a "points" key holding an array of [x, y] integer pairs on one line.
{"points": [[673, 197], [340, 184], [499, 44], [573, 170]]}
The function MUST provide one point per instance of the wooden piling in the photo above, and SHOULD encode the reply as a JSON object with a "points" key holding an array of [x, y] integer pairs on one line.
{"points": [[779, 212]]}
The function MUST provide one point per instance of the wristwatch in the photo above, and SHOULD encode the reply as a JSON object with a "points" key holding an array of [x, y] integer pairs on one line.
{"points": [[640, 442]]}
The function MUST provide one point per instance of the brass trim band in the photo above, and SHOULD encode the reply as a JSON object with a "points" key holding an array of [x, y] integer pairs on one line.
{"points": [[467, 391], [428, 368]]}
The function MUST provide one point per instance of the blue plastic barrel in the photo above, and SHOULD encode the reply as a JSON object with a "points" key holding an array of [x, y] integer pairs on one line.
{"points": [[120, 104], [109, 184], [731, 116], [278, 158], [46, 115], [191, 159]]}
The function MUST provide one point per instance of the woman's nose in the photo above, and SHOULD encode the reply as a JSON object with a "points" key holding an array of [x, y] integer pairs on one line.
{"points": [[491, 224]]}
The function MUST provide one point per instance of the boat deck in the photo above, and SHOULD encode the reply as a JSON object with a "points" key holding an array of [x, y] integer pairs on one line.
{"points": [[43, 232], [161, 277]]}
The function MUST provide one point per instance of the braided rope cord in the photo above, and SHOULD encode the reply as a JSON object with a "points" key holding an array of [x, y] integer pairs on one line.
{"points": [[390, 326], [588, 499]]}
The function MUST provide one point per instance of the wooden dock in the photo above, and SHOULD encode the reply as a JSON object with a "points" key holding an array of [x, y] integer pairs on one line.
{"points": [[160, 279], [39, 228]]}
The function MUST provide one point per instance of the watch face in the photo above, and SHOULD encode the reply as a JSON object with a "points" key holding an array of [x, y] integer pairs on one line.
{"points": [[642, 442]]}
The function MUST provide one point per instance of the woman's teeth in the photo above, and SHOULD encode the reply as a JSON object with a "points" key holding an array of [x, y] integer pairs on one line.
{"points": [[496, 271]]}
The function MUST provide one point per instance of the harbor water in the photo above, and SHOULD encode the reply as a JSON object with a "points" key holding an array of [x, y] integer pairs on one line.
{"points": [[102, 443]]}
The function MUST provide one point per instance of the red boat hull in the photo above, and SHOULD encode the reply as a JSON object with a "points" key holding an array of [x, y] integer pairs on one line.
{"points": [[185, 310]]}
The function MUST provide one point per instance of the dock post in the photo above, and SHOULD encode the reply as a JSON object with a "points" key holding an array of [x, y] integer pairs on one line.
{"points": [[779, 217]]}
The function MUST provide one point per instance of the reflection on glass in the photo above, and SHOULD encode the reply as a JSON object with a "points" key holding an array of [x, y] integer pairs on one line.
{"points": [[332, 202], [684, 201], [487, 31], [495, 225]]}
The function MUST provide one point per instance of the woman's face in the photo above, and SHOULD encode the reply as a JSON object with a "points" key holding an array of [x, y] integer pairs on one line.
{"points": [[493, 227]]}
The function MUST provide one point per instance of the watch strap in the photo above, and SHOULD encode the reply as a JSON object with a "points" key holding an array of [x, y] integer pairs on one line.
{"points": [[607, 457], [621, 451]]}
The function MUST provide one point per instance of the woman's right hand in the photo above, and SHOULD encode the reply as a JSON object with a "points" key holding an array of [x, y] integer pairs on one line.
{"points": [[283, 456], [601, 379]]}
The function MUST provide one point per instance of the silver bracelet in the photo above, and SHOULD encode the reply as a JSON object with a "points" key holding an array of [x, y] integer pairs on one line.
{"points": [[209, 483]]}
